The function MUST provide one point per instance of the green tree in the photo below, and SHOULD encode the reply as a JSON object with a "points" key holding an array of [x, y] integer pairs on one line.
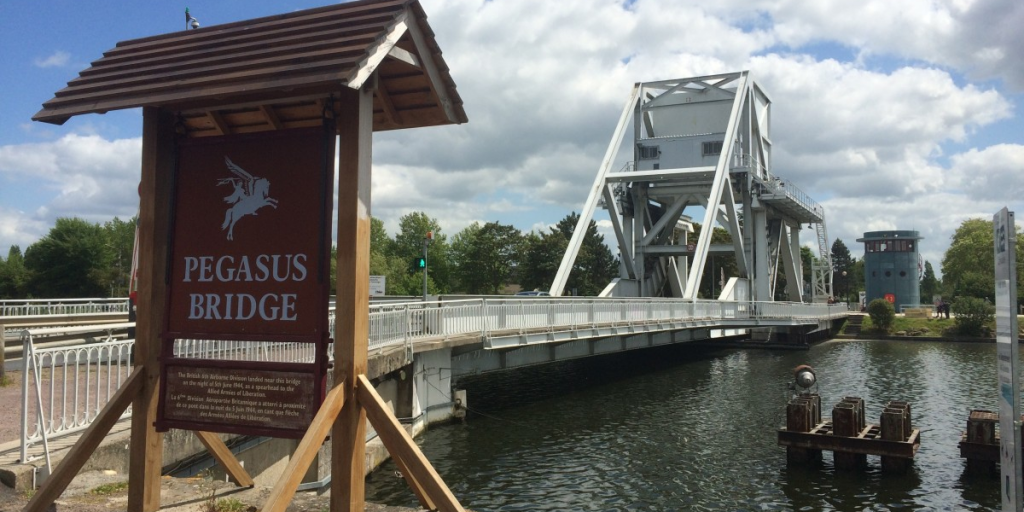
{"points": [[968, 266], [857, 282], [541, 259], [72, 260], [595, 264], [972, 315], [717, 264], [461, 252], [488, 257], [14, 277], [882, 314], [807, 260], [842, 270], [594, 268], [120, 237], [408, 244], [380, 242], [929, 283]]}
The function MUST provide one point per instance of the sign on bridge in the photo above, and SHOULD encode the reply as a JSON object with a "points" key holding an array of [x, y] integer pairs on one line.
{"points": [[249, 262]]}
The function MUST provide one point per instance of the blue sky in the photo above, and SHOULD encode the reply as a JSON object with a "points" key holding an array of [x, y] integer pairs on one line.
{"points": [[893, 115]]}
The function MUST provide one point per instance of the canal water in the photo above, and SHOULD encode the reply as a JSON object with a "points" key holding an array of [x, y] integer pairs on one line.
{"points": [[677, 429]]}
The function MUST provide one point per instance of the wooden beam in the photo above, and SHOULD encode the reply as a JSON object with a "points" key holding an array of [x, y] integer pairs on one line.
{"points": [[158, 157], [376, 53], [83, 449], [282, 493], [402, 447], [271, 115], [403, 55], [348, 446], [437, 84], [222, 453], [219, 123], [388, 105], [417, 489]]}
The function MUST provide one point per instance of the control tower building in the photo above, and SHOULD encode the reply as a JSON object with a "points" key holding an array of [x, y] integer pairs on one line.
{"points": [[892, 267]]}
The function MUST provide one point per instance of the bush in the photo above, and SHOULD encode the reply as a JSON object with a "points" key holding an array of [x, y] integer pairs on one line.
{"points": [[972, 315], [882, 314]]}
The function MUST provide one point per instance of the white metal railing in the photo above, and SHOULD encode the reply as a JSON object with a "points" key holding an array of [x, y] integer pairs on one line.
{"points": [[65, 388], [37, 307], [72, 384]]}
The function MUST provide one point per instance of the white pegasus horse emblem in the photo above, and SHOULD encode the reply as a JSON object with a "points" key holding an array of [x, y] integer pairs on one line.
{"points": [[251, 193]]}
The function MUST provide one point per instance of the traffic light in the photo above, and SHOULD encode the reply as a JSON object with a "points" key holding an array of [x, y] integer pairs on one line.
{"points": [[419, 263]]}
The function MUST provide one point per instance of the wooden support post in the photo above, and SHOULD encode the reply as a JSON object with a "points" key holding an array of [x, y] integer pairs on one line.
{"points": [[325, 418], [417, 489], [803, 413], [82, 450], [227, 460], [348, 437], [846, 423], [895, 426], [859, 415], [905, 406], [401, 446], [981, 429], [155, 191]]}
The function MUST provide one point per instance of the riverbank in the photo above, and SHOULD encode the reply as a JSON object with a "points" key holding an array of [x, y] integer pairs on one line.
{"points": [[872, 335]]}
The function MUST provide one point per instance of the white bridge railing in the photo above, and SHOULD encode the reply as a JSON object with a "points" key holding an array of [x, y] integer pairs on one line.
{"points": [[37, 307], [64, 388]]}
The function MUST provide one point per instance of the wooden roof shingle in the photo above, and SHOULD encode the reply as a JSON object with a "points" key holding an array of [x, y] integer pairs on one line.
{"points": [[275, 72]]}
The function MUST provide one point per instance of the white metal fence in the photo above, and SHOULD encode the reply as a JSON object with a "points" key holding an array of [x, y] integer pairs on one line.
{"points": [[64, 388], [37, 307]]}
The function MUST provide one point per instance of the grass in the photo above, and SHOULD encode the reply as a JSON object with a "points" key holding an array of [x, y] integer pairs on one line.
{"points": [[934, 326], [6, 381], [108, 489], [226, 505]]}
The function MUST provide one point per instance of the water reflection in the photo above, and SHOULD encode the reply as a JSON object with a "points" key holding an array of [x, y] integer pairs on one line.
{"points": [[673, 429]]}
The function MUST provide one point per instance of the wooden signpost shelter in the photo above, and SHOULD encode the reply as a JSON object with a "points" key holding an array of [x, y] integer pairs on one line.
{"points": [[360, 67]]}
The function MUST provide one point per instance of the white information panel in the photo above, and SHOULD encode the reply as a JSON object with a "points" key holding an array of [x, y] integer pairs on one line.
{"points": [[1005, 234], [377, 285]]}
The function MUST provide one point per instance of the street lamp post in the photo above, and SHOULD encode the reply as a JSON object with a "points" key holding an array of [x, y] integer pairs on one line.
{"points": [[426, 243]]}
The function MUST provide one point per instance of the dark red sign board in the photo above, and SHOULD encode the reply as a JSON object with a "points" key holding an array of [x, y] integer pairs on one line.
{"points": [[249, 262], [245, 398], [251, 239]]}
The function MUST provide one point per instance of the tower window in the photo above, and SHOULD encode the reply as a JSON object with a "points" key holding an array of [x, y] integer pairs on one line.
{"points": [[712, 148], [648, 152]]}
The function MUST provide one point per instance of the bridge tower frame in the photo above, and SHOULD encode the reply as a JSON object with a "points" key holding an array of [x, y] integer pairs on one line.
{"points": [[702, 142]]}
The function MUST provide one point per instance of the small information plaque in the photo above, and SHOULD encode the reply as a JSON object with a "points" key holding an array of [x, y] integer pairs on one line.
{"points": [[256, 398]]}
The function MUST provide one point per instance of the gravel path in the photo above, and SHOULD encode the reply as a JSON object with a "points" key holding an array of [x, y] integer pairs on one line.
{"points": [[10, 409], [176, 495]]}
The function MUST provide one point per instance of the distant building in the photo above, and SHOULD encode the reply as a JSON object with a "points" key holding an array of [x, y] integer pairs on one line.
{"points": [[892, 267]]}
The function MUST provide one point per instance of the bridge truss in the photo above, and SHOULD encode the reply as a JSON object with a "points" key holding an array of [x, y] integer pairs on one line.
{"points": [[702, 143]]}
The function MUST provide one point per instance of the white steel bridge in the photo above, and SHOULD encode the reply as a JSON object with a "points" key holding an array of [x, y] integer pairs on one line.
{"points": [[65, 387]]}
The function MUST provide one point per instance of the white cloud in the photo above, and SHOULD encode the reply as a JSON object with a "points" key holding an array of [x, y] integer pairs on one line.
{"points": [[17, 228], [57, 59], [868, 134], [85, 176], [981, 38], [991, 174]]}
